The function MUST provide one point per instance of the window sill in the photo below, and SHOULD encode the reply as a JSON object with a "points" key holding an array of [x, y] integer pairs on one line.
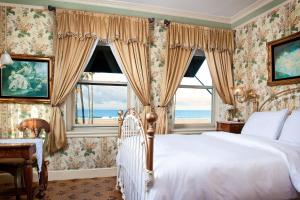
{"points": [[93, 132]]}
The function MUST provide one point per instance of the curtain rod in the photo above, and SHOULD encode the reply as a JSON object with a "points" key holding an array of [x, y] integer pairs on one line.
{"points": [[167, 22], [51, 8], [151, 20]]}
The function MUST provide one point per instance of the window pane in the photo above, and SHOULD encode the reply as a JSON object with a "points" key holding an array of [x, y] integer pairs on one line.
{"points": [[107, 77], [203, 75], [193, 106], [99, 104]]}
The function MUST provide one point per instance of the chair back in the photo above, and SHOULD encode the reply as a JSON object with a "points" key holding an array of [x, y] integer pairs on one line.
{"points": [[35, 125]]}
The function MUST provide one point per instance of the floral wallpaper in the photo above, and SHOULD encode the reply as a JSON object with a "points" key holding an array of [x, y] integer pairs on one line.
{"points": [[158, 50], [30, 31], [86, 153], [250, 57]]}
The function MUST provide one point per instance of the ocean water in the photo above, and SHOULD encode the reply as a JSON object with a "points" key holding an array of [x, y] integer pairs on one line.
{"points": [[198, 114]]}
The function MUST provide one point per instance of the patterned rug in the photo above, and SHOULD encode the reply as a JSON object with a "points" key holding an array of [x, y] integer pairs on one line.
{"points": [[81, 189]]}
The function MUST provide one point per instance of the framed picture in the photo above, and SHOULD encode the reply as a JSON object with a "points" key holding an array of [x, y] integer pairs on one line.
{"points": [[284, 60], [27, 80]]}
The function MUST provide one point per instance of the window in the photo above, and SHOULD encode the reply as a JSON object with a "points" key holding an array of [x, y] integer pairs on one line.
{"points": [[195, 95], [101, 91]]}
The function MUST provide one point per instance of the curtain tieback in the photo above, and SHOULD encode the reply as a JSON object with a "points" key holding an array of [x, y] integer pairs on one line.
{"points": [[163, 108]]}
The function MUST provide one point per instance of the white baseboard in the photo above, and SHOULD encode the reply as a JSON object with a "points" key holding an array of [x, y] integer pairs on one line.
{"points": [[82, 173], [68, 174]]}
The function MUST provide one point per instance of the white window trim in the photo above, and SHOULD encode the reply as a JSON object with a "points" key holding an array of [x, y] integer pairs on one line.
{"points": [[197, 128], [80, 126], [93, 130]]}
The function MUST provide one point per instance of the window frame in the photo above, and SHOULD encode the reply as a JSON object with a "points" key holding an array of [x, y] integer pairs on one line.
{"points": [[191, 128], [91, 130], [104, 83]]}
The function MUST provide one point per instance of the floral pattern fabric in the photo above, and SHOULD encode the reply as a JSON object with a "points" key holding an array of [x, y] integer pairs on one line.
{"points": [[251, 55], [30, 31]]}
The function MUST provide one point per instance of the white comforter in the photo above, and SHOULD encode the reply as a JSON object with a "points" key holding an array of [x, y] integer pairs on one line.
{"points": [[218, 165]]}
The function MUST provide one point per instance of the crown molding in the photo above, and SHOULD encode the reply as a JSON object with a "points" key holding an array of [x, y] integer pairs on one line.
{"points": [[261, 11], [256, 16], [248, 10], [144, 10], [152, 9]]}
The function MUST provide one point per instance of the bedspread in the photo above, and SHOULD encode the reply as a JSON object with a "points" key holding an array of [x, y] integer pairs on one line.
{"points": [[218, 165]]}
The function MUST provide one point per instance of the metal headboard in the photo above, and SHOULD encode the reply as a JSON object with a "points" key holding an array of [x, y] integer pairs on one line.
{"points": [[289, 98]]}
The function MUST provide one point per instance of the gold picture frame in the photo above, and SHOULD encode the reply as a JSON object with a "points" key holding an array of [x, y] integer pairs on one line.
{"points": [[283, 62], [27, 80]]}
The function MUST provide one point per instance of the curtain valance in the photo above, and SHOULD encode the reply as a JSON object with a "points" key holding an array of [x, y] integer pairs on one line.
{"points": [[106, 27], [200, 37]]}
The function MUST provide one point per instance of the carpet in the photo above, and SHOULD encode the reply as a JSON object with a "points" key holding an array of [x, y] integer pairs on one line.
{"points": [[81, 189]]}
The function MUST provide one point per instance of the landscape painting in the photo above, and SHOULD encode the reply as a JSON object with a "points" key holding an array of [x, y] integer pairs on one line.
{"points": [[26, 80], [284, 58]]}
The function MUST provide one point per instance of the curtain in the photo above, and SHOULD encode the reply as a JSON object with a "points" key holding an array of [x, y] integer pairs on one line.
{"points": [[134, 57], [200, 37], [76, 33], [218, 45], [107, 28], [71, 57], [178, 60], [220, 67]]}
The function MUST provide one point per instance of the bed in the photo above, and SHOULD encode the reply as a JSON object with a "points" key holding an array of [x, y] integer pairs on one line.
{"points": [[213, 165]]}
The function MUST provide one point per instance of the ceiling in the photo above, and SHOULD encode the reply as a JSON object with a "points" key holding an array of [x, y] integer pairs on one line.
{"points": [[224, 11]]}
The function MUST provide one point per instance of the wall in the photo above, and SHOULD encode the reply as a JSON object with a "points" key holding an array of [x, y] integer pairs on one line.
{"points": [[250, 58], [30, 31]]}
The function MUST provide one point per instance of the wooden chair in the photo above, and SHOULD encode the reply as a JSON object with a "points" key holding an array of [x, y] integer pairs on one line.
{"points": [[15, 166], [36, 126]]}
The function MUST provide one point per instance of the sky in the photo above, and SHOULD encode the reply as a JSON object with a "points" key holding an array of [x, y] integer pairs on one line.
{"points": [[195, 99]]}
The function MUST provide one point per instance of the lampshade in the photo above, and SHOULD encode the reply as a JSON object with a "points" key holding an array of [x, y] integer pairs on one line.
{"points": [[239, 94], [6, 59]]}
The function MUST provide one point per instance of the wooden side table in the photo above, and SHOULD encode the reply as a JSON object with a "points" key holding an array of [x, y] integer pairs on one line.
{"points": [[230, 126]]}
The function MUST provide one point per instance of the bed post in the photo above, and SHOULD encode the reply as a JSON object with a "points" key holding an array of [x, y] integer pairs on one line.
{"points": [[151, 118], [120, 122]]}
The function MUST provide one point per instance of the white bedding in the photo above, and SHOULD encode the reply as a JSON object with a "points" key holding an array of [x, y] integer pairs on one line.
{"points": [[218, 165]]}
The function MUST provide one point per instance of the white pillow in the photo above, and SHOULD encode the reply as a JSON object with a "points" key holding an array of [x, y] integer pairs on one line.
{"points": [[291, 129], [265, 124]]}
